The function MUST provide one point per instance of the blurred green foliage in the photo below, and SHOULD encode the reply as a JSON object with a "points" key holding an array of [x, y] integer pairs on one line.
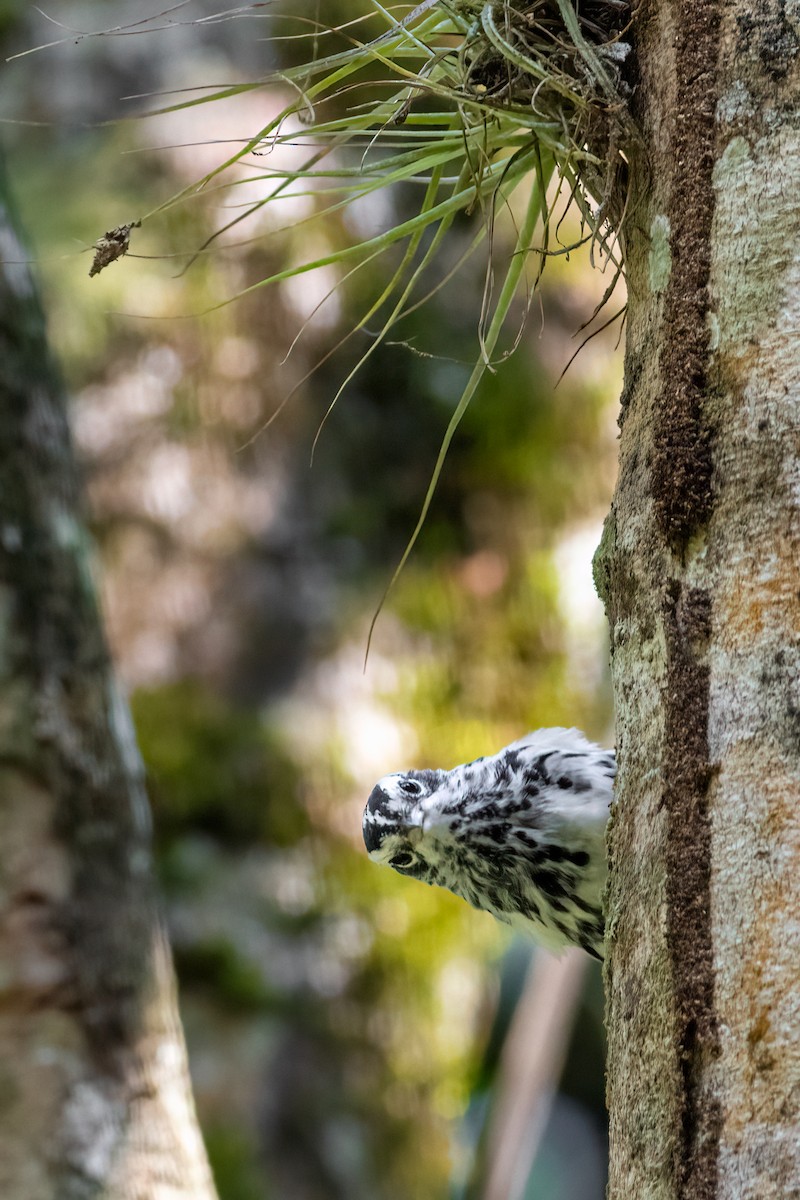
{"points": [[216, 767], [233, 1155]]}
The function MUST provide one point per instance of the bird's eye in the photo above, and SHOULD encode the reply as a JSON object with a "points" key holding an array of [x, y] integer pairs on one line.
{"points": [[410, 787], [403, 859]]}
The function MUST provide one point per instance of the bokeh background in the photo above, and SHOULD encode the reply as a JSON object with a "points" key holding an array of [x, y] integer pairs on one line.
{"points": [[345, 1025]]}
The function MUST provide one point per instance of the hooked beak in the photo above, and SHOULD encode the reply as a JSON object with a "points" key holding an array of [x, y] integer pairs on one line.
{"points": [[373, 829]]}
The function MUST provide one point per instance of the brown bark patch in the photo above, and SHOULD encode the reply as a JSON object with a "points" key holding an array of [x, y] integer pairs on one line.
{"points": [[687, 774], [682, 495], [682, 445]]}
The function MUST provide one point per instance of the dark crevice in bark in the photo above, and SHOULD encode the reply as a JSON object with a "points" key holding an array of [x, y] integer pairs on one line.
{"points": [[687, 774], [682, 463], [683, 500]]}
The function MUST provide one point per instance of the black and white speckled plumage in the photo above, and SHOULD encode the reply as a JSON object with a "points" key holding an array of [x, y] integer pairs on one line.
{"points": [[520, 834]]}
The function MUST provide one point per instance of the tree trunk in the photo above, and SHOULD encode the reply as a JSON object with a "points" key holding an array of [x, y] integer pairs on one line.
{"points": [[94, 1093], [699, 569]]}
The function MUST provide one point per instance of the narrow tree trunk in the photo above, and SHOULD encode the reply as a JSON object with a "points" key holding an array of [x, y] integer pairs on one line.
{"points": [[700, 571], [94, 1094]]}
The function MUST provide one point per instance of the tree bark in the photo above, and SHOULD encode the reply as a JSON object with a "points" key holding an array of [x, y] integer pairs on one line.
{"points": [[94, 1092], [699, 569]]}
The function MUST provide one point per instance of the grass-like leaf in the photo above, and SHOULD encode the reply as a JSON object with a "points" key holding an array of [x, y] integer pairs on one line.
{"points": [[472, 100]]}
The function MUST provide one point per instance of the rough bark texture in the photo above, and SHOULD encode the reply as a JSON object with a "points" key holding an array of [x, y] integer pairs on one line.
{"points": [[94, 1094], [700, 571]]}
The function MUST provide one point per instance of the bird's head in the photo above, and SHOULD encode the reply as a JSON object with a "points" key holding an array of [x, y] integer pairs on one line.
{"points": [[402, 819]]}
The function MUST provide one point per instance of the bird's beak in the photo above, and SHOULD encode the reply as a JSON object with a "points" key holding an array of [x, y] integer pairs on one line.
{"points": [[372, 830]]}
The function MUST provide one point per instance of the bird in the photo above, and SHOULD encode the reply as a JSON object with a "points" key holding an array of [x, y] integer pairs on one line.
{"points": [[520, 834]]}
